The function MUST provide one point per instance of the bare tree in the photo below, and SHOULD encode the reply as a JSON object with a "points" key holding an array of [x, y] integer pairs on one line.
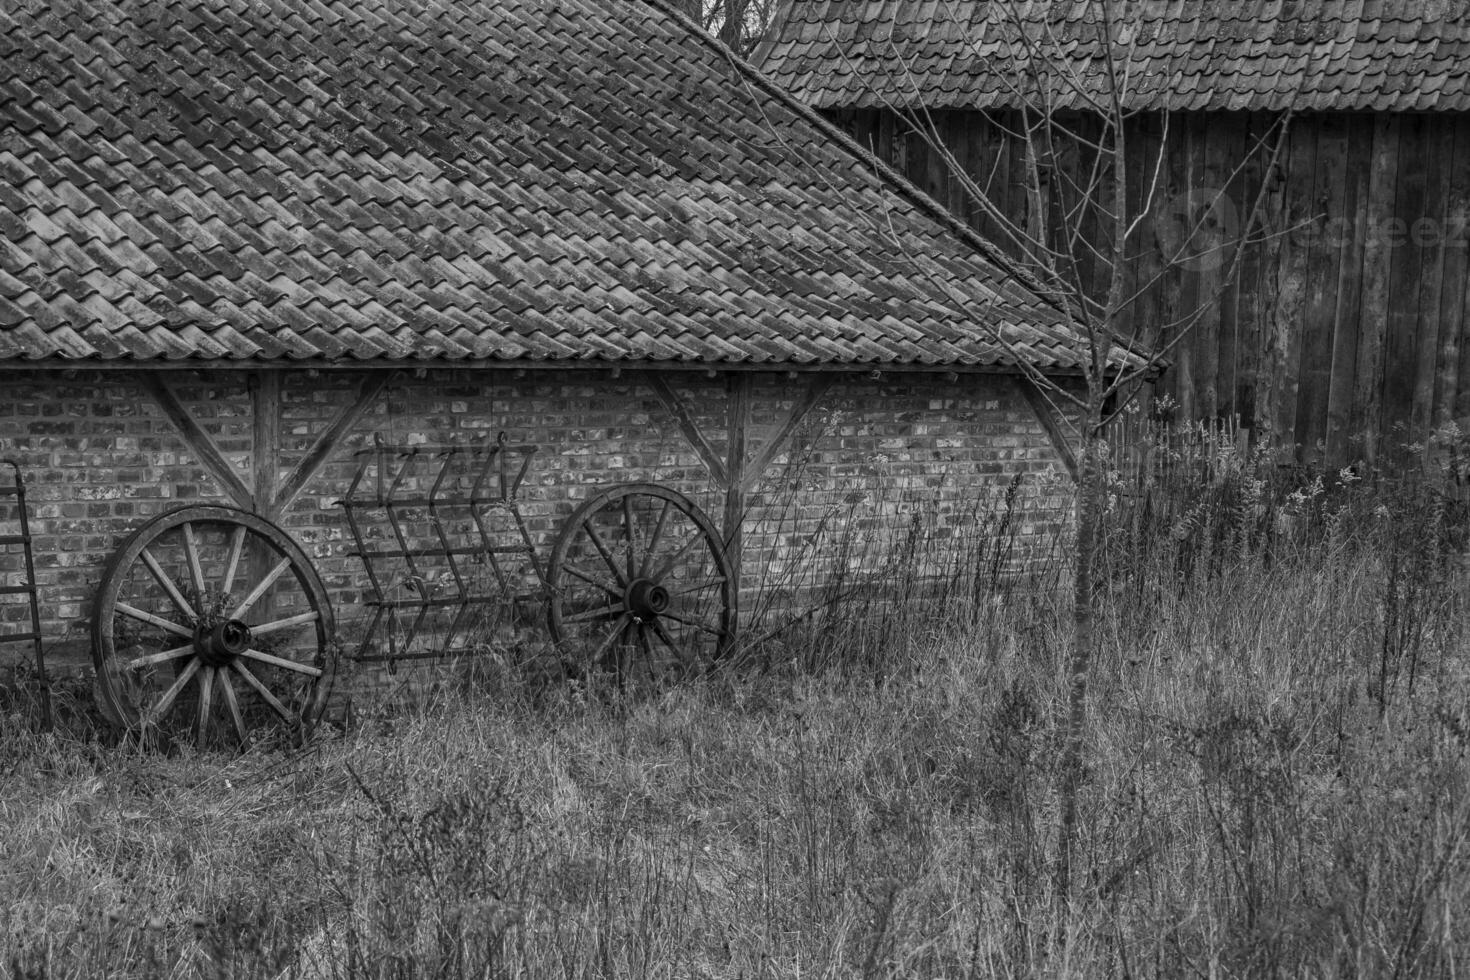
{"points": [[1075, 243], [738, 23]]}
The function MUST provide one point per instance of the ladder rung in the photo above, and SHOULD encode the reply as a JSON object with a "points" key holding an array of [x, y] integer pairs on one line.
{"points": [[15, 539], [14, 589], [10, 491], [17, 637]]}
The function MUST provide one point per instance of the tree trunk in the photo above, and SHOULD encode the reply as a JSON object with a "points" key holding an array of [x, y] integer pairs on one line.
{"points": [[1090, 490]]}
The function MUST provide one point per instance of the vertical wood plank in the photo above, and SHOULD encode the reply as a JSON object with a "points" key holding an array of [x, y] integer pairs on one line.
{"points": [[1426, 237], [950, 127], [265, 401], [1183, 289], [981, 146], [1454, 317], [1140, 320], [737, 421], [1000, 147], [1350, 227], [1368, 375], [918, 157], [865, 130], [1291, 270], [1323, 261], [1231, 164], [1400, 362], [1219, 153], [887, 140], [1249, 309]]}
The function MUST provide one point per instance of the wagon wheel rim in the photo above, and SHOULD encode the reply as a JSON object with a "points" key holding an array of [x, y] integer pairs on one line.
{"points": [[641, 586], [212, 625]]}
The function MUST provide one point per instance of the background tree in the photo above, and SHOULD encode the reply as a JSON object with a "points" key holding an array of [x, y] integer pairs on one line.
{"points": [[1086, 219]]}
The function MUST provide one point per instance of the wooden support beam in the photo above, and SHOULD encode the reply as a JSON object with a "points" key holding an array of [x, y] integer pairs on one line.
{"points": [[737, 424], [326, 443], [680, 411], [1047, 416], [814, 391], [198, 441], [265, 402]]}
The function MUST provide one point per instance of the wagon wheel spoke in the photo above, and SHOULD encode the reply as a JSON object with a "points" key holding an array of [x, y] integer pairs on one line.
{"points": [[282, 662], [662, 633], [162, 656], [605, 613], [602, 550], [630, 528], [206, 691], [167, 584], [261, 588], [191, 551], [650, 663], [701, 587], [285, 624], [696, 624], [667, 565], [611, 590], [612, 638], [286, 715], [152, 620], [232, 563], [655, 537], [227, 689], [161, 706]]}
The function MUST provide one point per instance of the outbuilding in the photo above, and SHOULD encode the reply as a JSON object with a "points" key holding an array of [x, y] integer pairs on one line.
{"points": [[1343, 336], [239, 240]]}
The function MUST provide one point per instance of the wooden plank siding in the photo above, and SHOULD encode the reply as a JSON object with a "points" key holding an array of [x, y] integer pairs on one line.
{"points": [[1344, 334], [1453, 389]]}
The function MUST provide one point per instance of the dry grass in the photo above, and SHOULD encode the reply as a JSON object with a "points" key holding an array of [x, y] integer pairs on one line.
{"points": [[1277, 787]]}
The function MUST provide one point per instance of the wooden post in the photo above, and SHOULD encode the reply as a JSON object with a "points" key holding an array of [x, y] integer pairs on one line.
{"points": [[1347, 320], [1367, 415], [1454, 389], [265, 403], [735, 473], [737, 422]]}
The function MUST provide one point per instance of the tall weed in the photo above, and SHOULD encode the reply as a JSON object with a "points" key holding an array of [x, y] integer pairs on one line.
{"points": [[1276, 781]]}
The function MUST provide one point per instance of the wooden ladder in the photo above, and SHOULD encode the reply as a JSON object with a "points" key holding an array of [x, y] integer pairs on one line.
{"points": [[21, 520]]}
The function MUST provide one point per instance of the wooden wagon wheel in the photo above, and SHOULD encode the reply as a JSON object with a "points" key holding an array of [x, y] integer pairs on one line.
{"points": [[640, 583], [211, 623]]}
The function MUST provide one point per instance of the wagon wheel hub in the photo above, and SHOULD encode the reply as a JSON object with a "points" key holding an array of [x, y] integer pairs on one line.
{"points": [[221, 643], [646, 599]]}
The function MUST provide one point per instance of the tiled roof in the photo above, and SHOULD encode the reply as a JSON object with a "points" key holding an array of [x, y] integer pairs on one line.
{"points": [[454, 180], [1369, 55]]}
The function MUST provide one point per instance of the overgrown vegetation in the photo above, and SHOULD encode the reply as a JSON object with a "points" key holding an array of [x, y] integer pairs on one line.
{"points": [[1276, 783]]}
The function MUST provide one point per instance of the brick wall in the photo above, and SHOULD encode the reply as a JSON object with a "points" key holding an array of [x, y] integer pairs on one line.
{"points": [[877, 466]]}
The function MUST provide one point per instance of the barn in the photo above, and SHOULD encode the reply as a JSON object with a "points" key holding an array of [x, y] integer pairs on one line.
{"points": [[315, 268], [1344, 335]]}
